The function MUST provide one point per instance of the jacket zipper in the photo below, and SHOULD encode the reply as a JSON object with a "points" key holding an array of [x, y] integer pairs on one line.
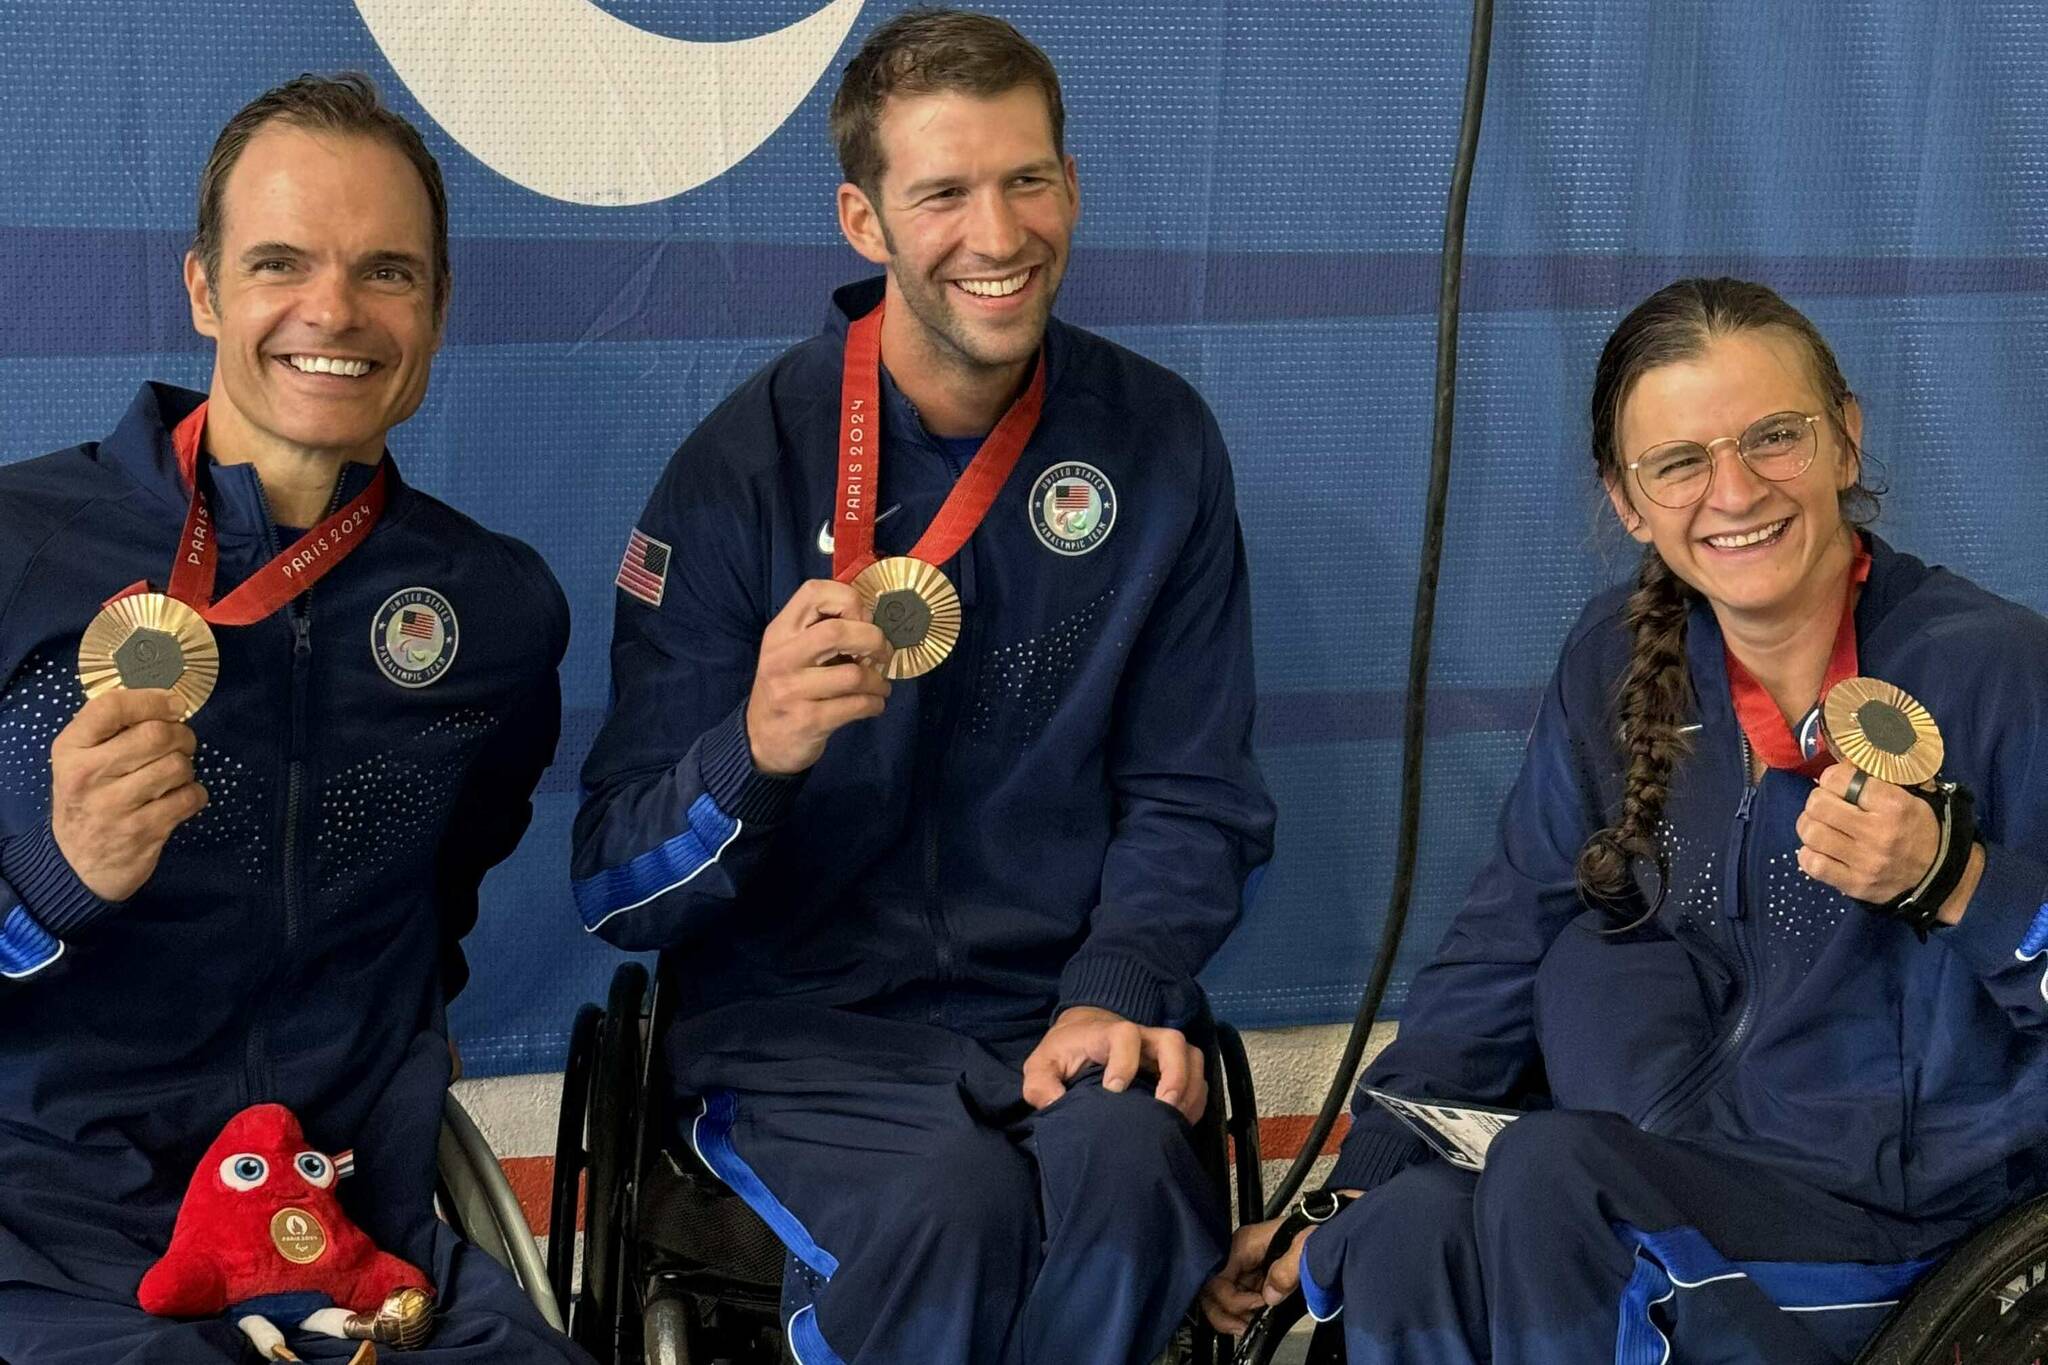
{"points": [[931, 767], [301, 613], [1735, 909]]}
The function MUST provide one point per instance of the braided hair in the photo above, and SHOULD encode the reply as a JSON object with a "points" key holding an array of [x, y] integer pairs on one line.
{"points": [[1675, 324]]}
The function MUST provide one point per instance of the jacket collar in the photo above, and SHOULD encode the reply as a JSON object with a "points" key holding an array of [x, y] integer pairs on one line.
{"points": [[140, 445]]}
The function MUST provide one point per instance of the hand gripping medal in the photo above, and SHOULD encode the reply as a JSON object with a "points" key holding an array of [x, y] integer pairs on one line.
{"points": [[908, 596], [145, 639]]}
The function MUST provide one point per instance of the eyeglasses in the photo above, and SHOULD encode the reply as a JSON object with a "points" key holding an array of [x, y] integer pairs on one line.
{"points": [[1777, 448]]}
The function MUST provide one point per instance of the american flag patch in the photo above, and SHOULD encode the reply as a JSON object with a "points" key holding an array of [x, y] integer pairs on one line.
{"points": [[416, 624], [643, 572], [1070, 497]]}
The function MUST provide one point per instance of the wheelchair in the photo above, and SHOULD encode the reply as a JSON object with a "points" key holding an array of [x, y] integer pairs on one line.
{"points": [[676, 1269]]}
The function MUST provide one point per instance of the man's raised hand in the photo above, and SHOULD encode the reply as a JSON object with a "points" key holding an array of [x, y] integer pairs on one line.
{"points": [[820, 668], [120, 782]]}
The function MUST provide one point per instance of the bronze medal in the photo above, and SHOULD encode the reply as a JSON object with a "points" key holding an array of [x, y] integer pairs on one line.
{"points": [[917, 610], [150, 640], [1878, 729], [298, 1236]]}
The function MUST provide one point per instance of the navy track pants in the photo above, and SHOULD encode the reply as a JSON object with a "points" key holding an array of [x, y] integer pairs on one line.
{"points": [[933, 1216], [1587, 1240]]}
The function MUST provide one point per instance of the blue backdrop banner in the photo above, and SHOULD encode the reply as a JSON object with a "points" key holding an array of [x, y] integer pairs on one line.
{"points": [[641, 195]]}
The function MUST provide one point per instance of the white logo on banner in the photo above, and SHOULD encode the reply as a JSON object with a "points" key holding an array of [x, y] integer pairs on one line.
{"points": [[577, 104]]}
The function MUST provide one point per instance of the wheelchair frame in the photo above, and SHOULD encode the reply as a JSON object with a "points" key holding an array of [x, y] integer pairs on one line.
{"points": [[477, 1201]]}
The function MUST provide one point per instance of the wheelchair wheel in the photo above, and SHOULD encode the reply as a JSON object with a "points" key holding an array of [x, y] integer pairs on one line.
{"points": [[1988, 1302], [605, 1322], [565, 1204]]}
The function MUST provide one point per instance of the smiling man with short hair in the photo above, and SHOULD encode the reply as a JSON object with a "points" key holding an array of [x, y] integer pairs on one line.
{"points": [[320, 702], [929, 769]]}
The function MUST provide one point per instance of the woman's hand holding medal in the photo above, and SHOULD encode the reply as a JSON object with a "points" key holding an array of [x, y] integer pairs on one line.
{"points": [[821, 668], [1874, 850], [120, 781], [1907, 847]]}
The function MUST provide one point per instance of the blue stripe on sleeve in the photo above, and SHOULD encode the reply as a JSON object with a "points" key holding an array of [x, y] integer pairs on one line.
{"points": [[25, 946], [659, 870]]}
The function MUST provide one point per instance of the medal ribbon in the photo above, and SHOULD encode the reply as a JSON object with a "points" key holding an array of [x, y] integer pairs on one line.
{"points": [[860, 460], [305, 562], [1769, 733]]}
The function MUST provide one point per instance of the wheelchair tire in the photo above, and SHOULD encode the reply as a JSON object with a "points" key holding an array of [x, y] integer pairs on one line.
{"points": [[1988, 1302], [605, 1321], [565, 1202]]}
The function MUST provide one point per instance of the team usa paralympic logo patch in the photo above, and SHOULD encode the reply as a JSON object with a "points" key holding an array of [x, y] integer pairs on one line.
{"points": [[1073, 508], [413, 636]]}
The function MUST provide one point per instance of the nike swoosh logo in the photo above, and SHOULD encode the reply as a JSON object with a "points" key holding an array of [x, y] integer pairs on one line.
{"points": [[825, 540], [579, 105]]}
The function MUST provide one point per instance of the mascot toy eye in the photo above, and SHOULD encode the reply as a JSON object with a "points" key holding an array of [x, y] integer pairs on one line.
{"points": [[262, 1234]]}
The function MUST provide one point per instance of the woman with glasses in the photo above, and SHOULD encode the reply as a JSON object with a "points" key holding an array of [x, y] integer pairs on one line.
{"points": [[1776, 1030]]}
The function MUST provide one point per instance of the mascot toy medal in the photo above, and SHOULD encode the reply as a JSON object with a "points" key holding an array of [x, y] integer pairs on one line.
{"points": [[261, 1234]]}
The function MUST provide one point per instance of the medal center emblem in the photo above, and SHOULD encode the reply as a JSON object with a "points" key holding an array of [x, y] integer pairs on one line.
{"points": [[904, 618], [1885, 727], [150, 658], [148, 639], [298, 1236]]}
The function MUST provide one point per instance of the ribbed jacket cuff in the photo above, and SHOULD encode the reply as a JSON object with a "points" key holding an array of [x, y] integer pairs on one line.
{"points": [[725, 763], [1121, 985], [1371, 1156], [50, 891]]}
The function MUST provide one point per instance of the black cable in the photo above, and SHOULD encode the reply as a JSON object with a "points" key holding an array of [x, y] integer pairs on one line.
{"points": [[1425, 608]]}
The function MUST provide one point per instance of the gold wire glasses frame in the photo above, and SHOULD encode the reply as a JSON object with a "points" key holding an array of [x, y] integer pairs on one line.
{"points": [[1779, 448]]}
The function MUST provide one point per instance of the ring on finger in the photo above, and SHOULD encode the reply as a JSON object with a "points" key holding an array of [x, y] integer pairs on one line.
{"points": [[1854, 792]]}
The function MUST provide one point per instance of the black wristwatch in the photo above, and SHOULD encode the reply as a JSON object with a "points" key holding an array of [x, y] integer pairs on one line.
{"points": [[1314, 1208], [1955, 810]]}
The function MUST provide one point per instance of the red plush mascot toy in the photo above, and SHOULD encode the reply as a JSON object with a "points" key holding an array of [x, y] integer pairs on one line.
{"points": [[261, 1233]]}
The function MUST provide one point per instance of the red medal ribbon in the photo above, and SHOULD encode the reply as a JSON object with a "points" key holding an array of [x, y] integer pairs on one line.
{"points": [[1769, 733], [309, 559], [860, 460]]}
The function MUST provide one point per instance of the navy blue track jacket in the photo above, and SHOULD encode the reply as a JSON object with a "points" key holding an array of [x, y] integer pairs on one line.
{"points": [[1065, 812], [299, 937], [1764, 1013]]}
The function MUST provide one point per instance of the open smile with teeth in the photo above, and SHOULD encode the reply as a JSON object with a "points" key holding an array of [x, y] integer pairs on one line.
{"points": [[329, 364], [1746, 539], [996, 289]]}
